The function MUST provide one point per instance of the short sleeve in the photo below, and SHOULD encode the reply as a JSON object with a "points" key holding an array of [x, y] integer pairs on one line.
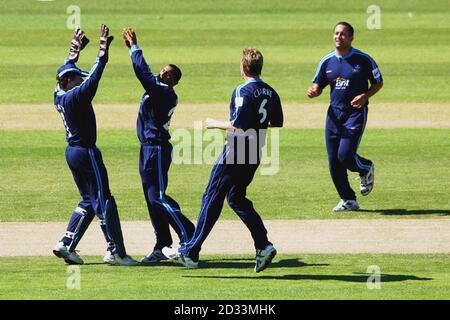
{"points": [[374, 73], [320, 76]]}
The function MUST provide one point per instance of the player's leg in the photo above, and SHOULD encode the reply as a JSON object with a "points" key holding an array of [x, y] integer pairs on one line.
{"points": [[243, 207], [347, 153], [338, 172], [181, 224], [150, 176], [82, 215], [148, 170], [78, 224], [157, 216], [237, 200], [105, 205], [211, 207], [187, 232]]}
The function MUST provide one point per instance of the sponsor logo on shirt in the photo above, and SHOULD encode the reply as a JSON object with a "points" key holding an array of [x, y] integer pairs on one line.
{"points": [[376, 73], [238, 102], [341, 83]]}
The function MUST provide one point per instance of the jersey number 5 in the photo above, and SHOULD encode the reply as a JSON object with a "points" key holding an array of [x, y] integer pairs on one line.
{"points": [[263, 111]]}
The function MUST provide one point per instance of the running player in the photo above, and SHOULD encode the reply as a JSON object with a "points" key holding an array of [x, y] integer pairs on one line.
{"points": [[347, 71]]}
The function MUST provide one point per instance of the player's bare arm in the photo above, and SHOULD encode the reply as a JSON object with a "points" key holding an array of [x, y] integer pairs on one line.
{"points": [[216, 124], [360, 100], [314, 91]]}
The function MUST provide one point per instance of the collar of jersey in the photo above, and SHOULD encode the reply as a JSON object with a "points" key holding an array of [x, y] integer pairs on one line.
{"points": [[258, 79], [345, 56]]}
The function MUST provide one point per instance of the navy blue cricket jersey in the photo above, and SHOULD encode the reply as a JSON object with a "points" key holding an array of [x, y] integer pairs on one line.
{"points": [[75, 108], [158, 102], [348, 76], [255, 105]]}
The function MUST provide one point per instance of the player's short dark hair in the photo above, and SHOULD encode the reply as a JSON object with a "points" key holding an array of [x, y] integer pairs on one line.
{"points": [[176, 71], [347, 25]]}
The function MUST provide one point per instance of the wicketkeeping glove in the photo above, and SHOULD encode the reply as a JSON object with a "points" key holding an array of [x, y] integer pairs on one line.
{"points": [[105, 41], [78, 43]]}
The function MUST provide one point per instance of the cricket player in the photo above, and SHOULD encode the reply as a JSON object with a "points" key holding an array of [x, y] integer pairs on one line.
{"points": [[254, 107], [156, 109], [348, 71], [73, 100]]}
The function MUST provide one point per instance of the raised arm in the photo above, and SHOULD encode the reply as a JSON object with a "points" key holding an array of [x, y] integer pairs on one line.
{"points": [[87, 90], [140, 66], [78, 43]]}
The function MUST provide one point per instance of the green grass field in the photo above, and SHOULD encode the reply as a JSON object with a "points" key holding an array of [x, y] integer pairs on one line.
{"points": [[309, 276], [412, 177], [205, 38]]}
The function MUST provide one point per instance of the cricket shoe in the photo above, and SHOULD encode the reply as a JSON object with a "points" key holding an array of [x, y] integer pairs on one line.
{"points": [[115, 260], [346, 205], [62, 251], [367, 181], [264, 257], [180, 258], [154, 257]]}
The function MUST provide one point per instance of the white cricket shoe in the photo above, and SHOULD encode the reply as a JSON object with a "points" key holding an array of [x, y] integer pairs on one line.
{"points": [[264, 257], [115, 260], [367, 181], [346, 205], [62, 251], [180, 258]]}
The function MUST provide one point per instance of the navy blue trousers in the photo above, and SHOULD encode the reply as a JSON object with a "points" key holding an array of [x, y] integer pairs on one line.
{"points": [[228, 181], [343, 133], [91, 178], [154, 164]]}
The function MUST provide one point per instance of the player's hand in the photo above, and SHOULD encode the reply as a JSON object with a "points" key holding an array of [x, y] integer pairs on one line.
{"points": [[210, 123], [105, 41], [359, 101], [129, 37], [78, 43], [314, 91]]}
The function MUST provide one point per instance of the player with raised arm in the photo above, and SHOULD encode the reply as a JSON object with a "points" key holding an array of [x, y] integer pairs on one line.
{"points": [[73, 100], [156, 109], [254, 106]]}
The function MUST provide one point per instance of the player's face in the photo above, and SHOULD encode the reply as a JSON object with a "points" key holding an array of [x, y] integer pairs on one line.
{"points": [[74, 81], [341, 37], [167, 76]]}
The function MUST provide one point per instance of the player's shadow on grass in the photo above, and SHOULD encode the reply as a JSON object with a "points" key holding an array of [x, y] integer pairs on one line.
{"points": [[356, 277], [250, 263], [406, 212]]}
